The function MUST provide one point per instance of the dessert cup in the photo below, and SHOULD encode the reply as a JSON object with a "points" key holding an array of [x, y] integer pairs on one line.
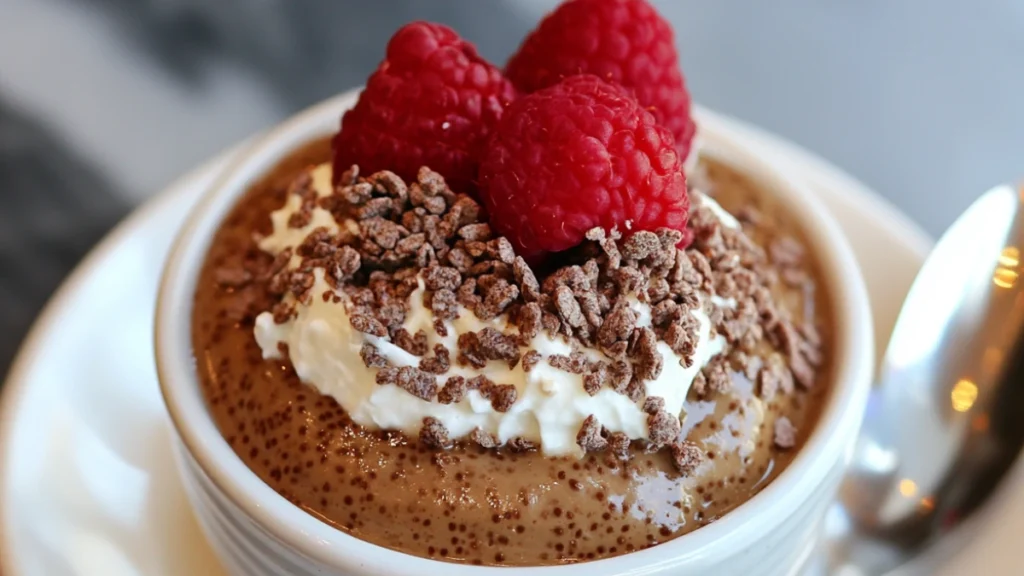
{"points": [[256, 531]]}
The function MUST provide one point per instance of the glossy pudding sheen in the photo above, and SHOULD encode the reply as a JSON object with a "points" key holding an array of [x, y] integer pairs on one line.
{"points": [[482, 498]]}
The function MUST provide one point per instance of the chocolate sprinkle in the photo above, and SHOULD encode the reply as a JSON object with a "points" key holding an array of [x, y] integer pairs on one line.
{"points": [[530, 359], [371, 358], [687, 456], [417, 382], [618, 445], [519, 444], [590, 437], [484, 439], [785, 434], [663, 428], [454, 390], [439, 363], [367, 325], [503, 396], [434, 434]]}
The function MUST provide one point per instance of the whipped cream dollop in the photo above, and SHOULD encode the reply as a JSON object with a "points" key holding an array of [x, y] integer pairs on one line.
{"points": [[551, 403]]}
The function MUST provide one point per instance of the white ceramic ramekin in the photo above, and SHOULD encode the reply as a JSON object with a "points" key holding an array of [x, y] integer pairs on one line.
{"points": [[258, 532]]}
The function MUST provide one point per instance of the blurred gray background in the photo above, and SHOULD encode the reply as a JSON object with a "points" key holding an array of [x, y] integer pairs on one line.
{"points": [[104, 102]]}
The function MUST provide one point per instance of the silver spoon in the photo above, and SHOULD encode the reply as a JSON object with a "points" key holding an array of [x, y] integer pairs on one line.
{"points": [[945, 421]]}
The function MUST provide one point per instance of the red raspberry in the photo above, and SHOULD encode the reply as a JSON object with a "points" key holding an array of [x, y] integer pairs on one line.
{"points": [[433, 102], [577, 155], [622, 41]]}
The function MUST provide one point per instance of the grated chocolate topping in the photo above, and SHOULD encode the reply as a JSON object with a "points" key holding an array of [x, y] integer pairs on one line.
{"points": [[434, 434], [371, 357], [421, 235], [439, 363], [591, 437], [530, 359], [477, 348], [687, 456], [454, 390], [743, 272], [785, 434], [484, 439], [663, 428]]}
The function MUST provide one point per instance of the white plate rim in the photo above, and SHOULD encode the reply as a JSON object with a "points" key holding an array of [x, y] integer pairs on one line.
{"points": [[16, 382]]}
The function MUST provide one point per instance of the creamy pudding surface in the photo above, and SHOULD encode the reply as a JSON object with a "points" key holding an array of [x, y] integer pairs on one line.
{"points": [[378, 355]]}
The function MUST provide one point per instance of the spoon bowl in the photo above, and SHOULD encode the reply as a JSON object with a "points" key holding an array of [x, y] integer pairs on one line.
{"points": [[945, 421]]}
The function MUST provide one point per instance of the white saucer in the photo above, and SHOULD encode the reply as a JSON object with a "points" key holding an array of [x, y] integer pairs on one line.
{"points": [[87, 485]]}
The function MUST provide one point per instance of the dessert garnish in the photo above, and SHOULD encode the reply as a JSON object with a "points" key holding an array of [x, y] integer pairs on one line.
{"points": [[624, 42], [433, 101], [579, 155], [525, 273]]}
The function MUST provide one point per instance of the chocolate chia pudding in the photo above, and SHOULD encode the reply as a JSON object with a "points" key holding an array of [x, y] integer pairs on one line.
{"points": [[377, 355]]}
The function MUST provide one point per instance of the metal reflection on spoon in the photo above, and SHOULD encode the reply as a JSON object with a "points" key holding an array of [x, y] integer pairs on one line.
{"points": [[945, 421]]}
